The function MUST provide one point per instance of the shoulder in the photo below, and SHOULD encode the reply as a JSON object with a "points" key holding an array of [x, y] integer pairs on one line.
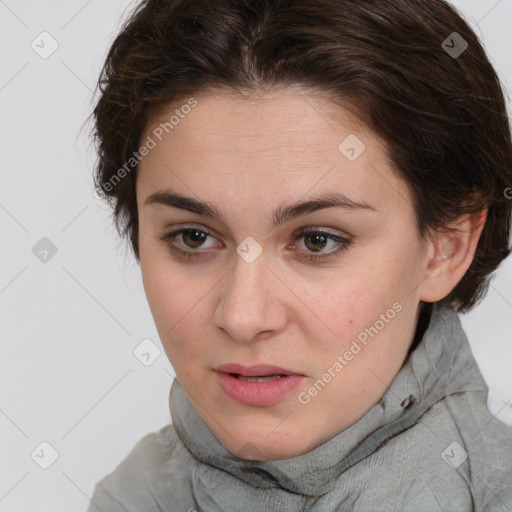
{"points": [[478, 446], [488, 444], [141, 477]]}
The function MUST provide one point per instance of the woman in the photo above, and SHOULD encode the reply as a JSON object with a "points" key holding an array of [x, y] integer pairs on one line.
{"points": [[313, 190]]}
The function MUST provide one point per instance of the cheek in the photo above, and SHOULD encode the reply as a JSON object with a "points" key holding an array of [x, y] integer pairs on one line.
{"points": [[341, 311], [363, 293], [176, 300], [354, 308], [166, 295]]}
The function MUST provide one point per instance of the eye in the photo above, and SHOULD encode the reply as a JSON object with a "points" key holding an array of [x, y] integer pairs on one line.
{"points": [[315, 240], [192, 238]]}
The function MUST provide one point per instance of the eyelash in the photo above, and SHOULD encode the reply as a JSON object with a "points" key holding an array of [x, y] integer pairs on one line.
{"points": [[343, 243]]}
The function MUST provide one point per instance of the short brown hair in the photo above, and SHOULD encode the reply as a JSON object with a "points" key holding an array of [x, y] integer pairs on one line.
{"points": [[443, 116]]}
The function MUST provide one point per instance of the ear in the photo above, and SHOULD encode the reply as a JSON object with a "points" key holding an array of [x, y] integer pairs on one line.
{"points": [[449, 254]]}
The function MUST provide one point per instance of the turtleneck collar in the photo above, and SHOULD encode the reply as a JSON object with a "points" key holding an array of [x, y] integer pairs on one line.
{"points": [[441, 364]]}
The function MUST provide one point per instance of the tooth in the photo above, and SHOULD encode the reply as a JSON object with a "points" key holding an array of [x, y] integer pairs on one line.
{"points": [[260, 379]]}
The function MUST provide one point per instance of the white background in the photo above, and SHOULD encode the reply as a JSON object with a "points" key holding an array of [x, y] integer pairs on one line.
{"points": [[68, 327]]}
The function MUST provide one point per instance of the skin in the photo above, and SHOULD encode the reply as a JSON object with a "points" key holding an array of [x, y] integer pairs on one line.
{"points": [[247, 157]]}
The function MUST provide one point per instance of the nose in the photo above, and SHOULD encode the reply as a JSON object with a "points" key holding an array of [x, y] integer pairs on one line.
{"points": [[252, 301]]}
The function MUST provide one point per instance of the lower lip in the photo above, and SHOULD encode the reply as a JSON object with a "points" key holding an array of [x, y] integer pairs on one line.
{"points": [[258, 393]]}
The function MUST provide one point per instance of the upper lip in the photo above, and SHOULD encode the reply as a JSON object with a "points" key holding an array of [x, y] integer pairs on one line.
{"points": [[259, 370]]}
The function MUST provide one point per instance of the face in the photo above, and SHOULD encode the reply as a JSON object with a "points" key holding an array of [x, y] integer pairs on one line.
{"points": [[320, 302]]}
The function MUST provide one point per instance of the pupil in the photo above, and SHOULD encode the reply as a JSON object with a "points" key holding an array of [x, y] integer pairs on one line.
{"points": [[318, 239], [193, 235]]}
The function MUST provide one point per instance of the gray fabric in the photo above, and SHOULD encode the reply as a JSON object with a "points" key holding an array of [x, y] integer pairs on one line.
{"points": [[398, 457]]}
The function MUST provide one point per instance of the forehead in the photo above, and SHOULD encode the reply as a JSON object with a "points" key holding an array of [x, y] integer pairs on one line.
{"points": [[278, 115], [280, 145]]}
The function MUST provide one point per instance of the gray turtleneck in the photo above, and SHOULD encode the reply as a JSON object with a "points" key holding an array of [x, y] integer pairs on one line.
{"points": [[430, 444]]}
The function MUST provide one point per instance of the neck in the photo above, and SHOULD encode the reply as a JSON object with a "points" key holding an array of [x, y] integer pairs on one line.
{"points": [[423, 323]]}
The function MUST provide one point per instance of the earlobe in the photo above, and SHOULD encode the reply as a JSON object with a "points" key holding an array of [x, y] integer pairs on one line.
{"points": [[451, 252]]}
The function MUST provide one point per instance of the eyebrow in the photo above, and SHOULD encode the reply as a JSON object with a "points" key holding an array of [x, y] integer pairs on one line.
{"points": [[280, 215]]}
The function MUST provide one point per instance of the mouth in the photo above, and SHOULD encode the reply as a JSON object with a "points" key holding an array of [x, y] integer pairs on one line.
{"points": [[255, 371], [259, 385]]}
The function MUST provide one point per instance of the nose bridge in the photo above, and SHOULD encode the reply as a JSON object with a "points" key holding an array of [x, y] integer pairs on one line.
{"points": [[250, 266], [247, 283], [249, 304]]}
